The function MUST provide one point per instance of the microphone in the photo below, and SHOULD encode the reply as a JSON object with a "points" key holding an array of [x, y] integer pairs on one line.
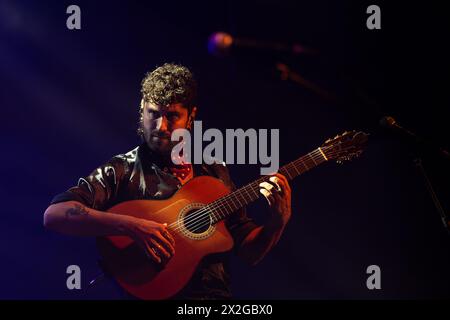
{"points": [[389, 122], [220, 43]]}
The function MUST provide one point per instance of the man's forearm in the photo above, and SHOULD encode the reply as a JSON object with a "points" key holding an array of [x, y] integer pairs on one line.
{"points": [[259, 242], [73, 218]]}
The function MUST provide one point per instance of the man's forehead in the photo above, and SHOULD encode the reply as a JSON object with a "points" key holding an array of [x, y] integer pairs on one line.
{"points": [[157, 107]]}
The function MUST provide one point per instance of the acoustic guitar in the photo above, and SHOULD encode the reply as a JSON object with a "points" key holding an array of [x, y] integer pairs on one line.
{"points": [[195, 216]]}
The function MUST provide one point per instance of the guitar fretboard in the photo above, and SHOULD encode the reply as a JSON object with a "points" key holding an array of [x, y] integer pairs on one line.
{"points": [[225, 206]]}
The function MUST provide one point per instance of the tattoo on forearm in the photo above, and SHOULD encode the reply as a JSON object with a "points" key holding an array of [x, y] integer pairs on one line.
{"points": [[77, 211]]}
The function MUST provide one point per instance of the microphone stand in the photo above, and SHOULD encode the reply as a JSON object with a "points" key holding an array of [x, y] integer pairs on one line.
{"points": [[445, 219], [287, 74], [423, 146]]}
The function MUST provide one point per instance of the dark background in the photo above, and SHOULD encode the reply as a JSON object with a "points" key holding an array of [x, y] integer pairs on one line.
{"points": [[69, 102]]}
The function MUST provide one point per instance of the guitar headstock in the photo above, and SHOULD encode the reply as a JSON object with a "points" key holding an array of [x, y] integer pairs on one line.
{"points": [[346, 146]]}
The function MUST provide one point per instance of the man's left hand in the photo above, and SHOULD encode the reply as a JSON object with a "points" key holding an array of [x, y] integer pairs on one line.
{"points": [[278, 195]]}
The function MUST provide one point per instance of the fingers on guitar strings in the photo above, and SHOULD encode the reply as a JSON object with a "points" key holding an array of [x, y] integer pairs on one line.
{"points": [[151, 253], [266, 191], [276, 182], [162, 248], [168, 236], [284, 183]]}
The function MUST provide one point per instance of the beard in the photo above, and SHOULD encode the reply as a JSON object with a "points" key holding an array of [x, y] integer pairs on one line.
{"points": [[159, 142]]}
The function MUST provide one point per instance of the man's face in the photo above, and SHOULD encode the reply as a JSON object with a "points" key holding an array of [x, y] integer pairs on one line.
{"points": [[160, 121]]}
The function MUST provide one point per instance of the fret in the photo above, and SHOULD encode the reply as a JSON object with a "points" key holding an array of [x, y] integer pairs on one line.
{"points": [[241, 194], [312, 158], [236, 203], [229, 205], [256, 192], [217, 219], [235, 195], [249, 195], [244, 196], [214, 218], [295, 167], [309, 162], [287, 173], [222, 210], [301, 167], [304, 164], [218, 212]]}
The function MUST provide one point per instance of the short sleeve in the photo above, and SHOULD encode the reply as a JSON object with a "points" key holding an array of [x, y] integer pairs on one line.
{"points": [[100, 189]]}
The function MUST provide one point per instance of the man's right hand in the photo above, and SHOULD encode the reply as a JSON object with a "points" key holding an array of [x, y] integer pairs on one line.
{"points": [[152, 237], [74, 218]]}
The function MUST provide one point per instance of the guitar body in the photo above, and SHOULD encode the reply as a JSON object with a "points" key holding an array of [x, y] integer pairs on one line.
{"points": [[140, 276]]}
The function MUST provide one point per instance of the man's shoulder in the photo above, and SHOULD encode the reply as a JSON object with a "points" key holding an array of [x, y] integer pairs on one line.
{"points": [[128, 157], [123, 163]]}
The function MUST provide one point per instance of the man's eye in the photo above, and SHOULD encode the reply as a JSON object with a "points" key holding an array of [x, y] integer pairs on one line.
{"points": [[172, 116], [152, 112]]}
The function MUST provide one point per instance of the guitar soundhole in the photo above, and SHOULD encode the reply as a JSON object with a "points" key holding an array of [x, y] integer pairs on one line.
{"points": [[197, 222]]}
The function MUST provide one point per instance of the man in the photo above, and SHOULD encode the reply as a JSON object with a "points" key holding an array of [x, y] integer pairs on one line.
{"points": [[148, 172]]}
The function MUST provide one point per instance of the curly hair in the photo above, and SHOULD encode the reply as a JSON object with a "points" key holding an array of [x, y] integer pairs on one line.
{"points": [[168, 84]]}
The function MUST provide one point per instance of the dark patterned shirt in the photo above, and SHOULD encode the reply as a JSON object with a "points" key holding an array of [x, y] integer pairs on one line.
{"points": [[140, 174]]}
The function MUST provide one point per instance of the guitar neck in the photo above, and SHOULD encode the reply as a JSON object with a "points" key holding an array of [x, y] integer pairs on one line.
{"points": [[225, 206]]}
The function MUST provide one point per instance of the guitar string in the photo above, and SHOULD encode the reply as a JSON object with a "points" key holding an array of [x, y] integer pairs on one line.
{"points": [[240, 192], [205, 219], [200, 219], [221, 203]]}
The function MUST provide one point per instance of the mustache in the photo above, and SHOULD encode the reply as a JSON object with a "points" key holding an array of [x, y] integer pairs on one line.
{"points": [[161, 135]]}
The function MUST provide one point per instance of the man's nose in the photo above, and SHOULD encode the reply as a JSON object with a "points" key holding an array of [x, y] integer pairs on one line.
{"points": [[164, 124]]}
